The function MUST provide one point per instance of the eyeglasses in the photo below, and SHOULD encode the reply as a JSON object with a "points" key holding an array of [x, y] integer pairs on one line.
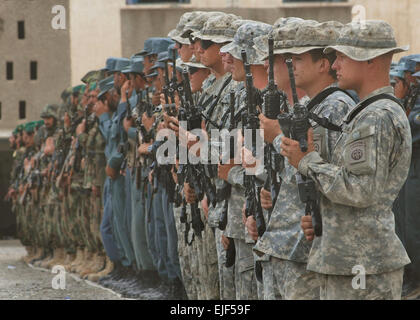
{"points": [[205, 44]]}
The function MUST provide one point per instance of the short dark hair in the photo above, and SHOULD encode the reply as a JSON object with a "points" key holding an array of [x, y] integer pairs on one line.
{"points": [[318, 54]]}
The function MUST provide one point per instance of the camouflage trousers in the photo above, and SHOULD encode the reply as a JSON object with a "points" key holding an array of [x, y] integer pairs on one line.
{"points": [[289, 280], [184, 251], [226, 275], [245, 281], [384, 286]]}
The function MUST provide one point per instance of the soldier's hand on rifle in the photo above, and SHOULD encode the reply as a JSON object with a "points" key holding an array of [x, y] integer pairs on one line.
{"points": [[223, 169], [143, 148], [126, 86], [156, 98], [189, 193], [127, 124], [81, 127], [147, 122], [49, 146], [173, 124], [271, 128], [251, 226], [291, 150], [225, 242], [67, 120], [307, 227], [248, 160], [266, 201]]}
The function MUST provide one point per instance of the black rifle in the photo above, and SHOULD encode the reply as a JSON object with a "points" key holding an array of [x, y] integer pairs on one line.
{"points": [[227, 187], [411, 98], [296, 125], [274, 104], [251, 122]]}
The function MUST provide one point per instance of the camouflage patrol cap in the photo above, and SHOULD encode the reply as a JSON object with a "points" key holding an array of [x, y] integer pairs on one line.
{"points": [[176, 33], [366, 41], [198, 22], [89, 77], [218, 28], [50, 110], [105, 85], [66, 93], [284, 37], [244, 39], [312, 36]]}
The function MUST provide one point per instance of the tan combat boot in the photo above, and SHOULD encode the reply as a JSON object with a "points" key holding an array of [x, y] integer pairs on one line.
{"points": [[87, 259], [58, 260], [30, 253], [42, 253], [45, 262], [76, 261], [68, 260], [109, 266], [97, 266]]}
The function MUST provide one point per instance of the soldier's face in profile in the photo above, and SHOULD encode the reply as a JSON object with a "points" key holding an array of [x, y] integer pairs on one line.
{"points": [[49, 122], [349, 72], [148, 62], [281, 75], [238, 70], [184, 52], [197, 78], [227, 61], [305, 69], [400, 88]]}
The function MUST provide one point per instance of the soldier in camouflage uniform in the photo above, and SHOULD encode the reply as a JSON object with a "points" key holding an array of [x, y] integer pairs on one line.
{"points": [[363, 176], [245, 282], [283, 239], [214, 101]]}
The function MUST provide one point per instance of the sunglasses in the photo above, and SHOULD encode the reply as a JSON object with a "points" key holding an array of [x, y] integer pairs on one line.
{"points": [[192, 70], [192, 39], [205, 44]]}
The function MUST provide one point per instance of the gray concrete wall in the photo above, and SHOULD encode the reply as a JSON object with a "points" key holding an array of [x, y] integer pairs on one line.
{"points": [[141, 22], [49, 47]]}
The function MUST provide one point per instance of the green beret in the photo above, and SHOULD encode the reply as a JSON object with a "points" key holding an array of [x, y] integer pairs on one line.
{"points": [[92, 85], [30, 127], [80, 89], [39, 123]]}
